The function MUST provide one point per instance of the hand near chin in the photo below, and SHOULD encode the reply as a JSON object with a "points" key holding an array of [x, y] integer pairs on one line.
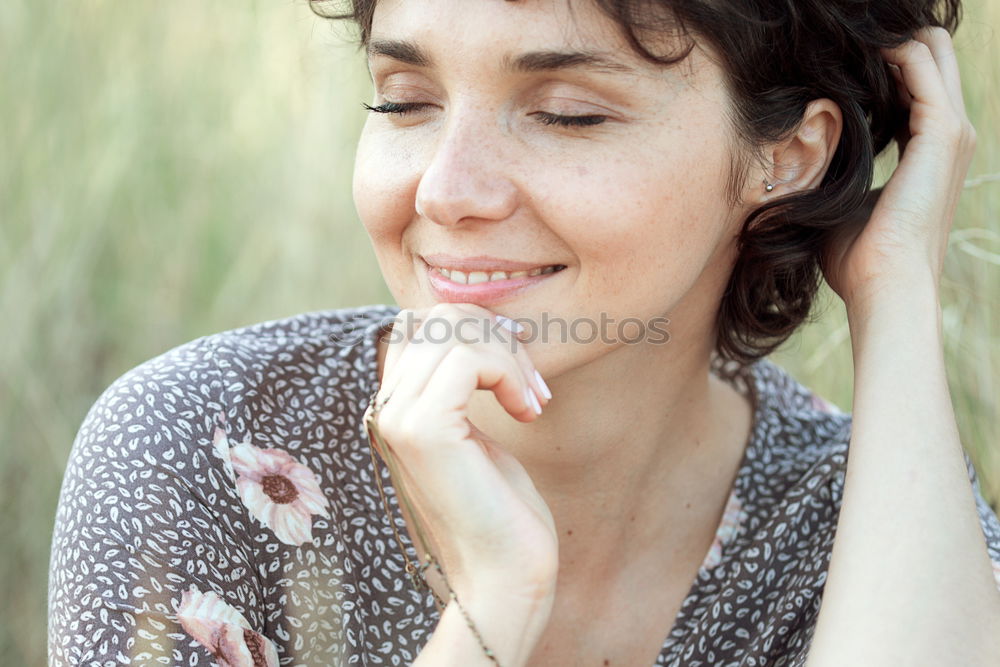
{"points": [[482, 517], [902, 245]]}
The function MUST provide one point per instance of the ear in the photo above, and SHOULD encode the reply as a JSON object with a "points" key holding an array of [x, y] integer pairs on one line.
{"points": [[800, 161]]}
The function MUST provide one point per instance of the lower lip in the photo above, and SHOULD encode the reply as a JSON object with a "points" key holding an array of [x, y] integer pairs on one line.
{"points": [[482, 294]]}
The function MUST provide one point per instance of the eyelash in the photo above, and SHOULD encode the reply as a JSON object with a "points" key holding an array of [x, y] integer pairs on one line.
{"points": [[544, 117]]}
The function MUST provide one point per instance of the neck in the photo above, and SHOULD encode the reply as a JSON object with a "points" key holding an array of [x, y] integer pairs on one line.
{"points": [[635, 454]]}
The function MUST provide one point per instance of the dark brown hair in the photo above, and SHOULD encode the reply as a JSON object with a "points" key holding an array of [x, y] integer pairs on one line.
{"points": [[779, 55]]}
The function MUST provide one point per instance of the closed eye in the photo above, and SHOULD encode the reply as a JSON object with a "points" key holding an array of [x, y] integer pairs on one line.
{"points": [[394, 107], [569, 121], [544, 117]]}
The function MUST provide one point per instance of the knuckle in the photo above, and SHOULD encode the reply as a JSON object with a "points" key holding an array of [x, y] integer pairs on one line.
{"points": [[931, 33], [476, 359], [497, 349], [409, 429], [441, 309], [400, 429], [914, 51], [449, 321], [463, 356], [939, 33], [920, 50], [940, 42], [387, 423]]}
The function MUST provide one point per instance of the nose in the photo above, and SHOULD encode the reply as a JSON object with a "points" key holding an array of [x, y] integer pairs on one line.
{"points": [[467, 177]]}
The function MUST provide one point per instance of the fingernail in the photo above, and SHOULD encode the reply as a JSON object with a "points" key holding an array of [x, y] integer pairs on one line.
{"points": [[509, 324], [533, 400], [541, 383]]}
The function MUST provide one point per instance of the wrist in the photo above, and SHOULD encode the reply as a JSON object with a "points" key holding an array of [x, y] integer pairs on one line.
{"points": [[532, 603], [490, 627], [899, 299], [904, 319]]}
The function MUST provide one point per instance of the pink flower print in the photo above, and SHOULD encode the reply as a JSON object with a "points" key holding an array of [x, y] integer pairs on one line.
{"points": [[220, 446], [279, 491], [224, 632], [732, 516]]}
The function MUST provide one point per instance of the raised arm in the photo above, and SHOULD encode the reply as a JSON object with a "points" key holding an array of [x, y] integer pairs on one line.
{"points": [[910, 581]]}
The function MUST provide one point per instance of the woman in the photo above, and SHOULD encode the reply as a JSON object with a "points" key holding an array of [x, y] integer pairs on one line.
{"points": [[602, 215]]}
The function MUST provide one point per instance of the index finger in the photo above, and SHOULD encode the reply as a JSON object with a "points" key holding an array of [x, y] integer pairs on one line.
{"points": [[942, 48], [919, 71], [406, 325]]}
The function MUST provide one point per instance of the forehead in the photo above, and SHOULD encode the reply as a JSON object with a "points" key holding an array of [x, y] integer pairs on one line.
{"points": [[502, 28]]}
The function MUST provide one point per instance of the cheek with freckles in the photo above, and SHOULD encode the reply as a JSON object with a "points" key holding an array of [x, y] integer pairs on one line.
{"points": [[642, 228], [383, 184], [383, 188]]}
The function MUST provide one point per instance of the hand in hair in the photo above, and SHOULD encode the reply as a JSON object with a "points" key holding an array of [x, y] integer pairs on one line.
{"points": [[906, 235]]}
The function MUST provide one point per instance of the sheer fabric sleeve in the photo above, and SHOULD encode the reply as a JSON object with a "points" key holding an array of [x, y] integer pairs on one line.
{"points": [[153, 553]]}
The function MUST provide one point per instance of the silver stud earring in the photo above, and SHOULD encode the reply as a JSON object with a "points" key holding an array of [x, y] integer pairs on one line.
{"points": [[769, 186]]}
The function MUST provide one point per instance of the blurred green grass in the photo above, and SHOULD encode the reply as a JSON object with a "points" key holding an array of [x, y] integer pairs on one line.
{"points": [[173, 170]]}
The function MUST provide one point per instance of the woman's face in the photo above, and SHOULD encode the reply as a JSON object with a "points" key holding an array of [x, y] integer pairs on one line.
{"points": [[629, 196]]}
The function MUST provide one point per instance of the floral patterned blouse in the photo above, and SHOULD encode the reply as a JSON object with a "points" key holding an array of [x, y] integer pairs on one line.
{"points": [[219, 507]]}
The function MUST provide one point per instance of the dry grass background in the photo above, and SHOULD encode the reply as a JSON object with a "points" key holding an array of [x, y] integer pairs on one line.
{"points": [[175, 169]]}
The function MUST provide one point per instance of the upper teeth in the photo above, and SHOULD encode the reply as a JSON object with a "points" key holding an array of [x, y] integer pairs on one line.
{"points": [[473, 277]]}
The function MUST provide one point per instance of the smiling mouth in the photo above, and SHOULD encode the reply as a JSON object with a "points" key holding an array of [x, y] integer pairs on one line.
{"points": [[476, 277]]}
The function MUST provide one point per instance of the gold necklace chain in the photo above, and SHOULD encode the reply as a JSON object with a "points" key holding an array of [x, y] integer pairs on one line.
{"points": [[416, 574]]}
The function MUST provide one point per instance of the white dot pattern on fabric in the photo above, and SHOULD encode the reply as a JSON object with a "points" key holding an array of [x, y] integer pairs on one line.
{"points": [[219, 507]]}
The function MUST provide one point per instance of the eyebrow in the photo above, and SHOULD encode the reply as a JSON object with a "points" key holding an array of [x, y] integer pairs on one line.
{"points": [[530, 62]]}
